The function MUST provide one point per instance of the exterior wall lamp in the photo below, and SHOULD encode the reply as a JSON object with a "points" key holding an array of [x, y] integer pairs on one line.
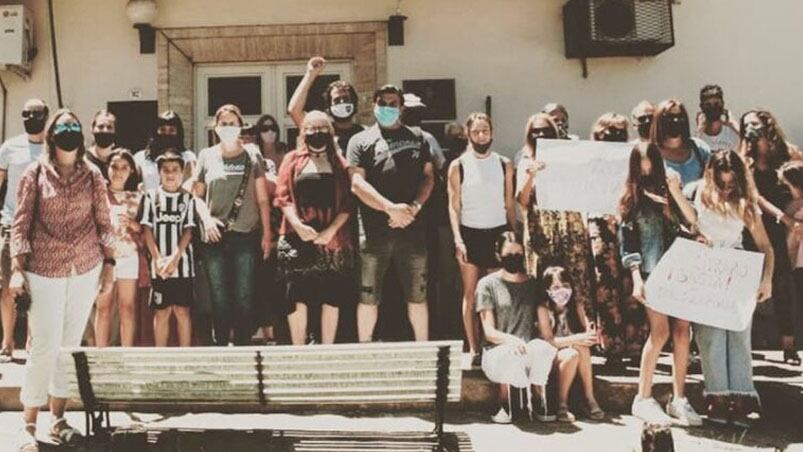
{"points": [[141, 13]]}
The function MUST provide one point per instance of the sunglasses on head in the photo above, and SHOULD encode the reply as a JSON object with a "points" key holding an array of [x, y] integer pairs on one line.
{"points": [[33, 114], [66, 126]]}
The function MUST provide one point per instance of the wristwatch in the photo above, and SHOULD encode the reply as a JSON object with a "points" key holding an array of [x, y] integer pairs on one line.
{"points": [[109, 261], [416, 204]]}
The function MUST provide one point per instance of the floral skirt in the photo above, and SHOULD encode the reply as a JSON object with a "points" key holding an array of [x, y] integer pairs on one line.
{"points": [[311, 274], [621, 319]]}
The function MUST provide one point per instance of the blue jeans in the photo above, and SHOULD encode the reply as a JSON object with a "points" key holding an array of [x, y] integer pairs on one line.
{"points": [[726, 359], [231, 267]]}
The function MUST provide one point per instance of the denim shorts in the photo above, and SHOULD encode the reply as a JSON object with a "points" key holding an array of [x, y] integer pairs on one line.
{"points": [[407, 253]]}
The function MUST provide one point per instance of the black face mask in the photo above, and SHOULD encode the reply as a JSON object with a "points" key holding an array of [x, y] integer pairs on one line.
{"points": [[33, 125], [644, 129], [105, 139], [162, 143], [754, 132], [535, 134], [675, 125], [482, 148], [615, 134], [713, 113], [513, 263], [68, 140], [317, 140]]}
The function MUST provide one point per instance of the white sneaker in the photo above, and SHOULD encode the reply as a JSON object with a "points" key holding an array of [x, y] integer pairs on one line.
{"points": [[682, 410], [649, 411], [502, 417]]}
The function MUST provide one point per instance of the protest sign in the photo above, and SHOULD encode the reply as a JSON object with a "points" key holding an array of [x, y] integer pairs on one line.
{"points": [[582, 176], [709, 285]]}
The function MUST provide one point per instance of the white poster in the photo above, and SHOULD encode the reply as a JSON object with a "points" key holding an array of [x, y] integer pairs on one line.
{"points": [[708, 285], [582, 176]]}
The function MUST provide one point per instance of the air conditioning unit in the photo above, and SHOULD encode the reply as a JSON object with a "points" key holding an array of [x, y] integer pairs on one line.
{"points": [[605, 28], [17, 47]]}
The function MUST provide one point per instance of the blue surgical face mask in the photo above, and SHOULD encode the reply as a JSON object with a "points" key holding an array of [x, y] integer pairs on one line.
{"points": [[386, 116]]}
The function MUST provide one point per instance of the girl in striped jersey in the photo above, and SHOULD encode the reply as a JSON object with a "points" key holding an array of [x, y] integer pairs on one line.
{"points": [[168, 216]]}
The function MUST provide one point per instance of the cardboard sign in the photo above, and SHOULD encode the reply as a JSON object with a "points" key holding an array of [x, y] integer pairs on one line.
{"points": [[709, 285]]}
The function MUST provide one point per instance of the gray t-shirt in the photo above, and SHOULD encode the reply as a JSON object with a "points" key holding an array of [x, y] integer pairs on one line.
{"points": [[15, 155], [223, 178], [513, 304]]}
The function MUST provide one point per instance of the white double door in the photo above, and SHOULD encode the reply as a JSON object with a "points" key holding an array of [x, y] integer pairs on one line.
{"points": [[257, 89]]}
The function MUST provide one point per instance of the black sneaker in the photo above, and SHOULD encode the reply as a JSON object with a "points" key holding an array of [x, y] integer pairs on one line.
{"points": [[541, 407]]}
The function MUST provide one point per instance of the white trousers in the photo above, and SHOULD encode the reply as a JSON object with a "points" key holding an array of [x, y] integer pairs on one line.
{"points": [[503, 365], [59, 310]]}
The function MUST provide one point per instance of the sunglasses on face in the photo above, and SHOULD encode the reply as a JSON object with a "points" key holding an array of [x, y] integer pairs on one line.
{"points": [[65, 127], [33, 114], [644, 119], [542, 131], [672, 117]]}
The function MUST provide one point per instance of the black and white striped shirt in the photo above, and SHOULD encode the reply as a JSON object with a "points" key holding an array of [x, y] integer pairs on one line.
{"points": [[168, 215]]}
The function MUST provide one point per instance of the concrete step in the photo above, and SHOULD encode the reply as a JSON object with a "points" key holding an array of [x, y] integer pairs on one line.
{"points": [[780, 386]]}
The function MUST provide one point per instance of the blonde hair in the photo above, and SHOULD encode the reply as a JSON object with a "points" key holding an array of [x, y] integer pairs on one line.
{"points": [[606, 121], [745, 206]]}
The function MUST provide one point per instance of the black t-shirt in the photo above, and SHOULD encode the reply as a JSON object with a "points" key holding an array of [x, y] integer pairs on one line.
{"points": [[393, 161], [343, 136], [100, 164]]}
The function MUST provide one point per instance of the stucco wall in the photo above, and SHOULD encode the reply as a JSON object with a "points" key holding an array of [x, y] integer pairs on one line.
{"points": [[511, 50]]}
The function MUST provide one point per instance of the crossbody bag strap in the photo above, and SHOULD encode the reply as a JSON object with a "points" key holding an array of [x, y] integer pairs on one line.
{"points": [[238, 200]]}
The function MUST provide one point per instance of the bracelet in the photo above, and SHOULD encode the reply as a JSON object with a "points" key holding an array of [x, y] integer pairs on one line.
{"points": [[109, 261]]}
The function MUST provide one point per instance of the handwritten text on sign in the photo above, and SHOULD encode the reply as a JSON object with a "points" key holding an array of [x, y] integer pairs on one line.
{"points": [[582, 176], [712, 286]]}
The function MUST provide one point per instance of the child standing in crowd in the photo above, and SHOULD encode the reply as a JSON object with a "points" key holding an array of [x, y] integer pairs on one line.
{"points": [[168, 214], [506, 302], [791, 175], [727, 205], [124, 199], [563, 323], [649, 208]]}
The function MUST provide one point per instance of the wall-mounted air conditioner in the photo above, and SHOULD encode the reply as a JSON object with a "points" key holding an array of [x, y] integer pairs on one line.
{"points": [[17, 47]]}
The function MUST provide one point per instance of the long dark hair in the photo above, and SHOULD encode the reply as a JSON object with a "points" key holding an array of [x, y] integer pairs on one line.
{"points": [[657, 133], [632, 199], [557, 273], [133, 181], [51, 143], [167, 118], [261, 122], [779, 147]]}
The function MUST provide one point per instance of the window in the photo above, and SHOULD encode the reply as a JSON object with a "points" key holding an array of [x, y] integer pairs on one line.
{"points": [[244, 92], [257, 90]]}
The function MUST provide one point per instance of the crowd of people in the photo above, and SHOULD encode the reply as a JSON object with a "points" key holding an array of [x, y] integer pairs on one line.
{"points": [[330, 227]]}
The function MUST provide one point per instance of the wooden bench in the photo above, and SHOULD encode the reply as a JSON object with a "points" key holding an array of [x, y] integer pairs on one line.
{"points": [[266, 379]]}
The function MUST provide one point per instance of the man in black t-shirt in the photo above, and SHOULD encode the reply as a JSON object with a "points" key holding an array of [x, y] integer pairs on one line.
{"points": [[392, 174]]}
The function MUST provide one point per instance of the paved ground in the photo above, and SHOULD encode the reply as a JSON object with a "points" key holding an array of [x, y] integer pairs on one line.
{"points": [[618, 433]]}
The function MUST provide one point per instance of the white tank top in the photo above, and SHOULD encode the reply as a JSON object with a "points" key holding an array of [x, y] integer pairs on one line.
{"points": [[482, 191], [722, 231]]}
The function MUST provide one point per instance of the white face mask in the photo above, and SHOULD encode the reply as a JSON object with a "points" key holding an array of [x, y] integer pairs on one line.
{"points": [[269, 137], [228, 134], [342, 111]]}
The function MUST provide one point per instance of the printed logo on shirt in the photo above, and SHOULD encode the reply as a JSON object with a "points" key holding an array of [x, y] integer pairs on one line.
{"points": [[234, 169], [396, 147], [164, 217]]}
